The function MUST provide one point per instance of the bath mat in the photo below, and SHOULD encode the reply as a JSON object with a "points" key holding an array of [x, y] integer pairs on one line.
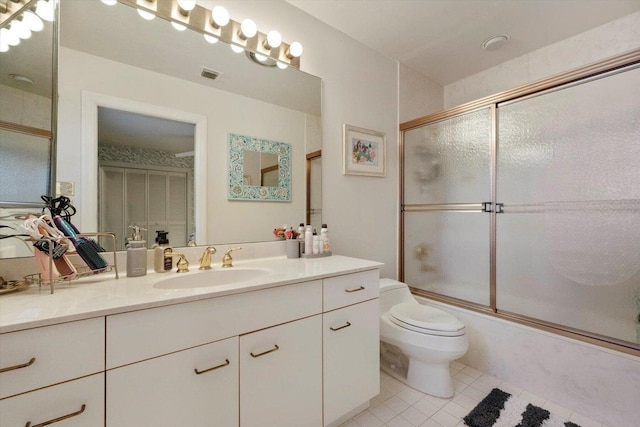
{"points": [[501, 409]]}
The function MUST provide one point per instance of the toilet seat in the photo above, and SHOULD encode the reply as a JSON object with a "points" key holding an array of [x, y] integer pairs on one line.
{"points": [[426, 320]]}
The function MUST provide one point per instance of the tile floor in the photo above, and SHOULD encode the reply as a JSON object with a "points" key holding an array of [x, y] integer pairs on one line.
{"points": [[398, 405]]}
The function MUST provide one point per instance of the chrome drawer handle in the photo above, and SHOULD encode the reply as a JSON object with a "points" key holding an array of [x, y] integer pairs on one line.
{"points": [[55, 420], [340, 327], [361, 288], [226, 363], [276, 348], [24, 365]]}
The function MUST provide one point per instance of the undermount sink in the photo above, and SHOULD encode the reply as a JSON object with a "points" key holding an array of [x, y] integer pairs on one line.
{"points": [[210, 278]]}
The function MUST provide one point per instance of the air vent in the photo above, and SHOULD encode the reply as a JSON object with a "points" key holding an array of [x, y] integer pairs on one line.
{"points": [[210, 74]]}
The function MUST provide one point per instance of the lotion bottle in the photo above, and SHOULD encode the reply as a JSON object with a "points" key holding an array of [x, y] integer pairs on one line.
{"points": [[324, 238], [316, 242], [308, 240], [162, 259], [136, 254]]}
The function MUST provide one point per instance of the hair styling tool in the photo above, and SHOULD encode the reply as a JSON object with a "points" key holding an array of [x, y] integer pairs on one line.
{"points": [[85, 249]]}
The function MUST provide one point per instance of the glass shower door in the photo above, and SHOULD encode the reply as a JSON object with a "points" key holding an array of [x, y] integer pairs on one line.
{"points": [[446, 230], [568, 175]]}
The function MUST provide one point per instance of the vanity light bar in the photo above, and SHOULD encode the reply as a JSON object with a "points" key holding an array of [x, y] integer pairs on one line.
{"points": [[200, 19]]}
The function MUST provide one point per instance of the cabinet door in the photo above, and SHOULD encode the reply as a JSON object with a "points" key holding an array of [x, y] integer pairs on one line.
{"points": [[194, 387], [281, 375], [78, 403], [351, 358]]}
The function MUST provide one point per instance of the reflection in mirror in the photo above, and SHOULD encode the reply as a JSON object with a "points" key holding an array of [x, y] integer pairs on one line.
{"points": [[145, 167], [260, 168]]}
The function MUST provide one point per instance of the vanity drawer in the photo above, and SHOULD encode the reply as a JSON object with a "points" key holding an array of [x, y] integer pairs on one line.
{"points": [[59, 353], [144, 334], [350, 289]]}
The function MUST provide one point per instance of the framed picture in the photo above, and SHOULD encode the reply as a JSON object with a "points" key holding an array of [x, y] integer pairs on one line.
{"points": [[364, 152]]}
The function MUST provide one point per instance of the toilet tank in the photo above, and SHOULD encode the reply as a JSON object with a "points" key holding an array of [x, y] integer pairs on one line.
{"points": [[392, 293]]}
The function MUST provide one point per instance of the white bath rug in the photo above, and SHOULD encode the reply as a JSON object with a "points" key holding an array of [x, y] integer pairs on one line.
{"points": [[501, 409]]}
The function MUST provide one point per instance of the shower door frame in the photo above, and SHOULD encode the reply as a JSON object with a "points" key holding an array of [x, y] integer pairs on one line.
{"points": [[534, 88]]}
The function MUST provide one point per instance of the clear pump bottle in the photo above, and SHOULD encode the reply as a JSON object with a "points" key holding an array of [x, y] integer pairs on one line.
{"points": [[136, 254]]}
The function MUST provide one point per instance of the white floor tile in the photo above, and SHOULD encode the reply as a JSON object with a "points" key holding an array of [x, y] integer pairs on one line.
{"points": [[473, 393], [430, 423], [489, 379], [445, 419], [533, 398], [466, 402], [380, 398], [455, 410], [393, 386], [410, 395], [472, 372], [456, 366], [396, 404], [557, 410], [427, 407], [510, 388], [383, 412], [414, 416], [399, 422], [367, 419], [584, 421], [461, 376]]}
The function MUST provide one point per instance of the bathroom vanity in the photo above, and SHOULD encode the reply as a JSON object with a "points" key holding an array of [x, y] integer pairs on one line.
{"points": [[296, 345]]}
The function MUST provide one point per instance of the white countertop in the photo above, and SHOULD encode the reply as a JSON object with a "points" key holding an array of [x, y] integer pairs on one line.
{"points": [[102, 295]]}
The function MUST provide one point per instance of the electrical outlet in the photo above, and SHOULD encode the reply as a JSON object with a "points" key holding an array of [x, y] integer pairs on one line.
{"points": [[65, 188]]}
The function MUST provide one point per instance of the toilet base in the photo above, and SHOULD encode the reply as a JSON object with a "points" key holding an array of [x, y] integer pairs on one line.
{"points": [[434, 378]]}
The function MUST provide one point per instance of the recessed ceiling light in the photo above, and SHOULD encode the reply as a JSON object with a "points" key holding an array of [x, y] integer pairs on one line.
{"points": [[22, 78], [495, 42]]}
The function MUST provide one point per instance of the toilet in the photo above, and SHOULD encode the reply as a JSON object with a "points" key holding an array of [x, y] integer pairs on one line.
{"points": [[418, 342]]}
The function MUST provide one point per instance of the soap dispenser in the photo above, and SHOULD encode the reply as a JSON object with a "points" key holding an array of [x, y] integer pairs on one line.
{"points": [[136, 254], [162, 254]]}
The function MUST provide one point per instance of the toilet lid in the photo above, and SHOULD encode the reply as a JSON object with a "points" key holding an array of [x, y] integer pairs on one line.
{"points": [[424, 319]]}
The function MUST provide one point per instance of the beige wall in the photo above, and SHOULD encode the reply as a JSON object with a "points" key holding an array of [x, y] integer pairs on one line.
{"points": [[419, 96]]}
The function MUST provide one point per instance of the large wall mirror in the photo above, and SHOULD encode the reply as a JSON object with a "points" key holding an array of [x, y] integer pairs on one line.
{"points": [[27, 113], [110, 59]]}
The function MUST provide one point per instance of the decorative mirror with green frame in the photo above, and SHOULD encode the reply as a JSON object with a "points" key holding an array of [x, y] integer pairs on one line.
{"points": [[253, 164]]}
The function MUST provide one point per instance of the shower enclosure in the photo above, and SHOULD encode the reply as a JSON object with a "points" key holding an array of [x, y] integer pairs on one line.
{"points": [[526, 204]]}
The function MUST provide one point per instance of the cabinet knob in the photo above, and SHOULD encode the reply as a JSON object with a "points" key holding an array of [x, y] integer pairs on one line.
{"points": [[24, 365], [275, 348], [222, 365], [55, 420]]}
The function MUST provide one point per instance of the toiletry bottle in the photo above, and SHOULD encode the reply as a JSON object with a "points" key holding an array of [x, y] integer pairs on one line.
{"points": [[308, 240], [316, 242], [324, 238], [136, 254], [301, 231], [162, 259]]}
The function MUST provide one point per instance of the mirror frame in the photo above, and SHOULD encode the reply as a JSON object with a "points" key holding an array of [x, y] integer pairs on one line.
{"points": [[236, 188]]}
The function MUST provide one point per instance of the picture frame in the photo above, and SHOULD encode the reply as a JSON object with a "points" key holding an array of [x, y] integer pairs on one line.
{"points": [[364, 152]]}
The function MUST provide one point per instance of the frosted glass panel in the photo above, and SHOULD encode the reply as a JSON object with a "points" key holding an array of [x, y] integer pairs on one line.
{"points": [[579, 143], [25, 158], [568, 244], [448, 253], [449, 161]]}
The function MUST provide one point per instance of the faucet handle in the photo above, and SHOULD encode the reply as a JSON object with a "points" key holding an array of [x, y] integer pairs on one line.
{"points": [[227, 261], [205, 259], [182, 264]]}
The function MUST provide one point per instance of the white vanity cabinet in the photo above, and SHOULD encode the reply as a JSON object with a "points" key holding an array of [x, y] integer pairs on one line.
{"points": [[193, 387], [46, 374], [350, 343], [281, 375]]}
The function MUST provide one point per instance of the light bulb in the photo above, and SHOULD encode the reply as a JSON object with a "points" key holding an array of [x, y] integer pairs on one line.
{"points": [[248, 28], [178, 27], [220, 16], [32, 21], [110, 2], [44, 9], [282, 65], [187, 4], [274, 39], [211, 39], [295, 50], [146, 15], [20, 29], [7, 37], [260, 57], [237, 49]]}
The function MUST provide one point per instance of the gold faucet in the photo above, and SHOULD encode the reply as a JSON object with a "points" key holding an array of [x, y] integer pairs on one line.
{"points": [[205, 259], [182, 264], [227, 261]]}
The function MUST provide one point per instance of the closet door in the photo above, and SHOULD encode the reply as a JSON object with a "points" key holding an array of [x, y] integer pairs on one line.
{"points": [[135, 200], [177, 208], [446, 229], [157, 205], [111, 205], [567, 173]]}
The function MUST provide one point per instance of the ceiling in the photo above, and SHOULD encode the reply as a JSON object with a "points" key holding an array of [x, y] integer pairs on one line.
{"points": [[441, 39]]}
